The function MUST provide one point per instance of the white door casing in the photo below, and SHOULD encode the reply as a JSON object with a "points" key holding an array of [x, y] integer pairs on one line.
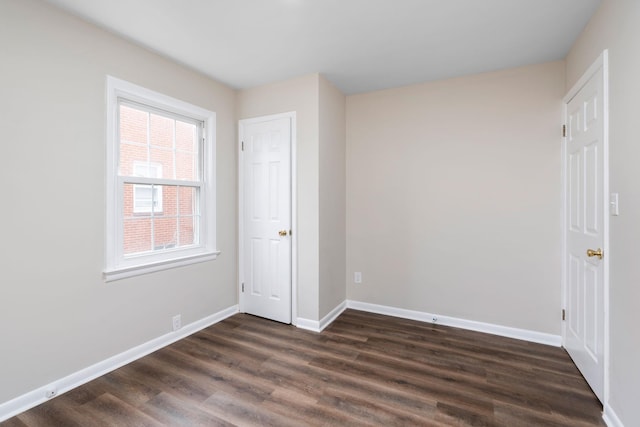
{"points": [[265, 244], [585, 331]]}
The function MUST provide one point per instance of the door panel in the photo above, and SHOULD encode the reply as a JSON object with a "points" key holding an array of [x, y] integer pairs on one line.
{"points": [[266, 212], [584, 332], [593, 200], [591, 287], [575, 195], [574, 324], [255, 265]]}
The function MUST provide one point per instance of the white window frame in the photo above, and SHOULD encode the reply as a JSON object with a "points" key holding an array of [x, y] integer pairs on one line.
{"points": [[118, 265], [155, 190]]}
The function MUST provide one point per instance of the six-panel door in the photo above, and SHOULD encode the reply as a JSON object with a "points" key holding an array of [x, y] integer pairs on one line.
{"points": [[266, 241]]}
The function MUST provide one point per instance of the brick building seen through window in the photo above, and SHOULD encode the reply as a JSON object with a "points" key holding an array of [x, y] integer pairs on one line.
{"points": [[154, 145]]}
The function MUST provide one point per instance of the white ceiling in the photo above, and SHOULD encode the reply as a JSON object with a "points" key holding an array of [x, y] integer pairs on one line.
{"points": [[360, 45]]}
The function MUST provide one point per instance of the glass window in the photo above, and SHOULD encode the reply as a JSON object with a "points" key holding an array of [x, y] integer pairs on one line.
{"points": [[160, 187]]}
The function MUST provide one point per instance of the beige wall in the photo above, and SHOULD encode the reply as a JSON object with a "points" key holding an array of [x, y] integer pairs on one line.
{"points": [[616, 27], [332, 169], [299, 95], [453, 197], [57, 315]]}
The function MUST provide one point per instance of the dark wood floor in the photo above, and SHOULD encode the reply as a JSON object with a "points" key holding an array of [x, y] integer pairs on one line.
{"points": [[365, 369]]}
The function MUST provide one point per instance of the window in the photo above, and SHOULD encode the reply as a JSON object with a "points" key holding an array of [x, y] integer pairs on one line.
{"points": [[160, 183]]}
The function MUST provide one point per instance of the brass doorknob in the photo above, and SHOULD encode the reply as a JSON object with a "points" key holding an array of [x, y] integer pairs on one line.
{"points": [[591, 253], [282, 233]]}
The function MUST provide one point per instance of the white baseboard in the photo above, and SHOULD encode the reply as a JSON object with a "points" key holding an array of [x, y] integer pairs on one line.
{"points": [[309, 325], [611, 418], [35, 397], [489, 328], [319, 326], [332, 315]]}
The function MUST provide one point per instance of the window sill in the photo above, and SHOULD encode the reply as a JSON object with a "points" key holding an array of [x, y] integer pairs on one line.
{"points": [[123, 273]]}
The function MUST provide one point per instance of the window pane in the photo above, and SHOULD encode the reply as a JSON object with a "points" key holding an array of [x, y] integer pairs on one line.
{"points": [[188, 198], [133, 138], [188, 230], [165, 233], [147, 169], [128, 200], [137, 235], [169, 200], [163, 157], [188, 221], [186, 136], [161, 131], [187, 151], [187, 166], [133, 125], [143, 199], [131, 155]]}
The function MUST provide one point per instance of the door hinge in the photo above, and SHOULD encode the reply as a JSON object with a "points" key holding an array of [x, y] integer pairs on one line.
{"points": [[243, 287], [564, 314], [564, 131], [242, 145]]}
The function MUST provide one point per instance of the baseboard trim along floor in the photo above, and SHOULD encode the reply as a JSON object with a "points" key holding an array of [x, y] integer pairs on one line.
{"points": [[35, 397], [489, 328]]}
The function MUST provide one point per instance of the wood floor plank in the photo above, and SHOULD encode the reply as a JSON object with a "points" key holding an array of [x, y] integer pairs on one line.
{"points": [[108, 410], [299, 344], [518, 416], [375, 411], [304, 414], [60, 411], [172, 411], [364, 370], [218, 376], [316, 380], [131, 389], [243, 413], [14, 422], [412, 384]]}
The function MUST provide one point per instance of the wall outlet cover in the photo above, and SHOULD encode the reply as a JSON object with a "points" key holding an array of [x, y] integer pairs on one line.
{"points": [[177, 322]]}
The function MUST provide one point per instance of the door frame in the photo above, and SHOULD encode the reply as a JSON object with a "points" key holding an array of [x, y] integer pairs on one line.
{"points": [[602, 62], [294, 203]]}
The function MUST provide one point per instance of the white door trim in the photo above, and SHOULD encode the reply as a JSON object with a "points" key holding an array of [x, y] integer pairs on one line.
{"points": [[294, 203], [601, 63]]}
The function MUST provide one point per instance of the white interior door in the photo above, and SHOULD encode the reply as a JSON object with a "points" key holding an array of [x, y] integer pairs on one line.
{"points": [[265, 229], [585, 229]]}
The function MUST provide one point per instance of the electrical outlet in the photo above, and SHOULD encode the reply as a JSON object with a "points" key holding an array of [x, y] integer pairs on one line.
{"points": [[177, 322], [357, 277]]}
